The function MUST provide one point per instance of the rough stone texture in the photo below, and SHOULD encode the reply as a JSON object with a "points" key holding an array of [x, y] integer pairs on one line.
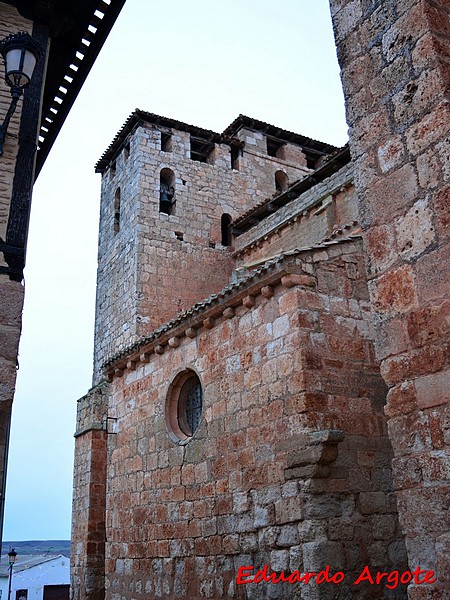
{"points": [[324, 209], [150, 246], [395, 62], [11, 293], [291, 464], [88, 524]]}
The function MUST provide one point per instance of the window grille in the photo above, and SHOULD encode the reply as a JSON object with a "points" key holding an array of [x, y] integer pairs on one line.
{"points": [[190, 406]]}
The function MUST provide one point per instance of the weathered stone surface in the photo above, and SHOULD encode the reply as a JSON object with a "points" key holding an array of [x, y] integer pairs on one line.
{"points": [[226, 492], [404, 204], [395, 291], [318, 554], [297, 359], [433, 389], [8, 374], [11, 302]]}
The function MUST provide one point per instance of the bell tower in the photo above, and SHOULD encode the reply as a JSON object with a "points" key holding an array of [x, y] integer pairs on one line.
{"points": [[170, 192]]}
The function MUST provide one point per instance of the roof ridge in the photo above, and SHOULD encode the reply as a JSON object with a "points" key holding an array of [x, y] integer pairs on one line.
{"points": [[275, 131], [227, 135]]}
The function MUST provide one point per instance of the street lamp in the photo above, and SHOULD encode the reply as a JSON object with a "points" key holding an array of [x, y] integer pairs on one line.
{"points": [[12, 559], [20, 53]]}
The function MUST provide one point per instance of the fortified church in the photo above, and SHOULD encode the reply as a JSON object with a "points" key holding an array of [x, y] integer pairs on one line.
{"points": [[270, 363]]}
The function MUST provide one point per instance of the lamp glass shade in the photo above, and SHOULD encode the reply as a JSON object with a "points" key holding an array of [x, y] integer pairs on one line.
{"points": [[19, 66], [20, 53], [12, 556]]}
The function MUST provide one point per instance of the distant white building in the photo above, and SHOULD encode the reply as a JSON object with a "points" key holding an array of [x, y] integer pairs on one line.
{"points": [[43, 577]]}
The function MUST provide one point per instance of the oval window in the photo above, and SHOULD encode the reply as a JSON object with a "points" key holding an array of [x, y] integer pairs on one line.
{"points": [[184, 406]]}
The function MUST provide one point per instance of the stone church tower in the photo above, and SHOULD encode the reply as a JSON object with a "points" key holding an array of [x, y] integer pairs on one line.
{"points": [[159, 255], [244, 418], [233, 349]]}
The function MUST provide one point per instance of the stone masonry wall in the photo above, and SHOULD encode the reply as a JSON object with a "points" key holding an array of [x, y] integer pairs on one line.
{"points": [[328, 207], [290, 466], [117, 257], [395, 61], [88, 515], [179, 257], [255, 161], [11, 292]]}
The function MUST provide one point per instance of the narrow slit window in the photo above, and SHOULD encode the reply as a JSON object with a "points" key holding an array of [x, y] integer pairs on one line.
{"points": [[235, 154], [166, 191], [117, 211], [225, 227]]}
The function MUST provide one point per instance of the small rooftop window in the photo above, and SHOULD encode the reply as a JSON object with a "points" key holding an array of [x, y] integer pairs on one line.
{"points": [[311, 162], [274, 147], [201, 149], [166, 141]]}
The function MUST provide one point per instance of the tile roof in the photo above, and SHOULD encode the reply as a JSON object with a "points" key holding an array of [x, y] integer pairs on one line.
{"points": [[242, 121], [139, 116], [243, 280], [334, 163]]}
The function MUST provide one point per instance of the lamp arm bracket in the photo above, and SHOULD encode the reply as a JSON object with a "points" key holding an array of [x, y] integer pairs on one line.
{"points": [[16, 93]]}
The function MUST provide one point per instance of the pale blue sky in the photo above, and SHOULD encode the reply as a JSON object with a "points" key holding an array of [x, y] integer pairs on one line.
{"points": [[199, 61]]}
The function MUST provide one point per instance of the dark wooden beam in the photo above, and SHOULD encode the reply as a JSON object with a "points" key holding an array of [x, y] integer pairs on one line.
{"points": [[19, 212], [59, 68]]}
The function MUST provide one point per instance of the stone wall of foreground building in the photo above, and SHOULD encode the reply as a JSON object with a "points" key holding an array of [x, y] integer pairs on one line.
{"points": [[290, 464], [11, 292], [395, 60]]}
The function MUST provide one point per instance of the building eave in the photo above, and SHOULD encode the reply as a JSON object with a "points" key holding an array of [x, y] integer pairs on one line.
{"points": [[268, 272], [314, 146], [158, 121], [228, 136], [70, 74], [77, 33]]}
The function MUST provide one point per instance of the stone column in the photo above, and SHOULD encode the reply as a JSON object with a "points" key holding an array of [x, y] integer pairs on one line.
{"points": [[89, 497], [395, 57]]}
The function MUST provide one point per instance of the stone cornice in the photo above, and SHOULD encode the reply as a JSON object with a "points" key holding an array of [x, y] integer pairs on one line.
{"points": [[309, 201], [285, 269]]}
